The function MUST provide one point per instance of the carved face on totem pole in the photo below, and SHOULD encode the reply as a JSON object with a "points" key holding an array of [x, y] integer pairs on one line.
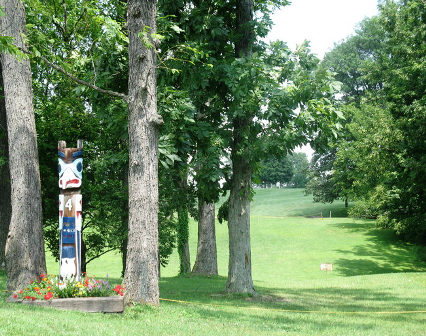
{"points": [[70, 166]]}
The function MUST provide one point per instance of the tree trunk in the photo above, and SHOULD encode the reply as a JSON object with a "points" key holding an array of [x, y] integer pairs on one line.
{"points": [[183, 225], [5, 206], [206, 260], [183, 240], [125, 224], [239, 268], [25, 245], [243, 46], [141, 274]]}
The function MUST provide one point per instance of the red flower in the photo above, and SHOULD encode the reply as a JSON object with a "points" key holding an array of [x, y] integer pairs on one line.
{"points": [[15, 296], [119, 290], [33, 298], [48, 296]]}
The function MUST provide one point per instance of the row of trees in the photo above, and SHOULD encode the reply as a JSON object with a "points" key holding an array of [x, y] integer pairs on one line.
{"points": [[189, 84], [379, 160], [291, 170]]}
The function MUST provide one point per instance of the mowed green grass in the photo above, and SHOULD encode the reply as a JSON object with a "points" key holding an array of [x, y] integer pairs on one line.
{"points": [[377, 287]]}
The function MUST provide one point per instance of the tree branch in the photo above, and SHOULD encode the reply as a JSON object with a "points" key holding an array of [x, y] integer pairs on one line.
{"points": [[82, 82], [100, 255]]}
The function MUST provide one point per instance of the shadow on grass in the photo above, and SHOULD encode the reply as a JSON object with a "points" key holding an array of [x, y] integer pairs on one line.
{"points": [[284, 308], [211, 290], [383, 253], [316, 210]]}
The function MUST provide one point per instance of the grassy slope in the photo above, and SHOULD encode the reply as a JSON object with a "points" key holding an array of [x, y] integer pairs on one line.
{"points": [[373, 273]]}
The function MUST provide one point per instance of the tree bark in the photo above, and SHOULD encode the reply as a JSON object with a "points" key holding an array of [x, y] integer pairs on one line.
{"points": [[5, 206], [142, 263], [239, 268], [125, 223], [25, 245], [206, 260], [244, 44]]}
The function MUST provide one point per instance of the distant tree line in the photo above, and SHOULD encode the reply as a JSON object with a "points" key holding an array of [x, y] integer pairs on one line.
{"points": [[289, 171]]}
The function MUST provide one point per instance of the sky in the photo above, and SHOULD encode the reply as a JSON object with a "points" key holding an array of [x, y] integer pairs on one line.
{"points": [[322, 22]]}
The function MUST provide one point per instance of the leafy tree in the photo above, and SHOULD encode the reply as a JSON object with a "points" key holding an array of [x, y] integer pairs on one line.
{"points": [[353, 59], [393, 185], [300, 165], [262, 118], [64, 111], [273, 171], [178, 113], [368, 160], [321, 184], [197, 38]]}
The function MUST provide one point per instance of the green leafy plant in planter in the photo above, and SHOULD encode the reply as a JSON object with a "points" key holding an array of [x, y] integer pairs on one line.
{"points": [[46, 287]]}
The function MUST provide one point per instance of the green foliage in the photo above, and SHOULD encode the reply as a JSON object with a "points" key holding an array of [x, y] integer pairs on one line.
{"points": [[381, 160], [321, 184], [353, 62], [300, 167], [182, 238], [7, 46], [275, 171], [87, 39], [223, 212]]}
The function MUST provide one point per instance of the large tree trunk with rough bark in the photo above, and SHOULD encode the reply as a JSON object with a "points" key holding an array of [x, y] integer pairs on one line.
{"points": [[25, 245], [142, 263], [239, 268], [206, 260], [5, 206]]}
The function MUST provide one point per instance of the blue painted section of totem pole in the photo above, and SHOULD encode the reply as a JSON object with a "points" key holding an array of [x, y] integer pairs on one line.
{"points": [[68, 230]]}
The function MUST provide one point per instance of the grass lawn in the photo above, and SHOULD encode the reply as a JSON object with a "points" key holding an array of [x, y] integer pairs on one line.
{"points": [[377, 287]]}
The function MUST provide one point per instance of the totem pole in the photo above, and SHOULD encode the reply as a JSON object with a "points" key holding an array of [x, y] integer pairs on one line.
{"points": [[70, 176]]}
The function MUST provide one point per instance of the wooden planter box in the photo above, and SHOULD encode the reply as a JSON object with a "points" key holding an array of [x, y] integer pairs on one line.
{"points": [[108, 304]]}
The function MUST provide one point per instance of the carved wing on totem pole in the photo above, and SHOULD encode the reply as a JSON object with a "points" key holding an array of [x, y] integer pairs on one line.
{"points": [[70, 166]]}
